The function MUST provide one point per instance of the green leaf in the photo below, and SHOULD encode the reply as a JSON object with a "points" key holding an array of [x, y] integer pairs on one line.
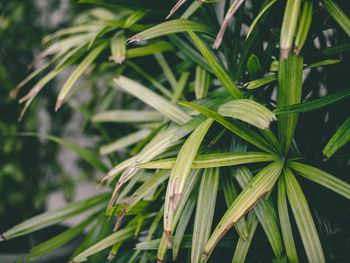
{"points": [[60, 239], [192, 179], [219, 72], [253, 66], [314, 104], [154, 82], [88, 156], [204, 212], [171, 27], [336, 49], [339, 139], [335, 11], [321, 177], [118, 47], [183, 224], [166, 69], [257, 83], [53, 217], [181, 171], [289, 92], [303, 218], [108, 241], [256, 19], [152, 99], [242, 244], [78, 72], [325, 62], [124, 142], [149, 49], [248, 111], [289, 25], [135, 17], [234, 126], [286, 227], [181, 84], [257, 188], [127, 116], [265, 213], [202, 82], [230, 194], [213, 160], [304, 26]]}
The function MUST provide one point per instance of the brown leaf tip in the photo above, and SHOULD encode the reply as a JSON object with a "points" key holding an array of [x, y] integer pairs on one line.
{"points": [[58, 104], [132, 39], [111, 256], [168, 237], [205, 254], [160, 260]]}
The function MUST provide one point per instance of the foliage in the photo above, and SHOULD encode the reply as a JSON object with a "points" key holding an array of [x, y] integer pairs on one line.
{"points": [[203, 132]]}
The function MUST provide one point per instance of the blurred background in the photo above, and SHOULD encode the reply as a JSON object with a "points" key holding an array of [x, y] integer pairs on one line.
{"points": [[36, 174]]}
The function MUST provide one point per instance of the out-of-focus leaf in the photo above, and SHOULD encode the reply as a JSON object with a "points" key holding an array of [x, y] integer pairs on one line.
{"points": [[108, 241], [339, 139], [171, 27], [127, 116], [88, 156], [60, 239], [78, 72], [124, 142], [53, 217], [118, 47], [154, 100]]}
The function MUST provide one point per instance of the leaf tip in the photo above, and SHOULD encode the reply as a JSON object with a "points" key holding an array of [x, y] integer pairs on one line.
{"points": [[168, 237], [2, 238], [160, 260], [111, 256], [325, 157], [205, 254], [58, 104], [131, 40]]}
